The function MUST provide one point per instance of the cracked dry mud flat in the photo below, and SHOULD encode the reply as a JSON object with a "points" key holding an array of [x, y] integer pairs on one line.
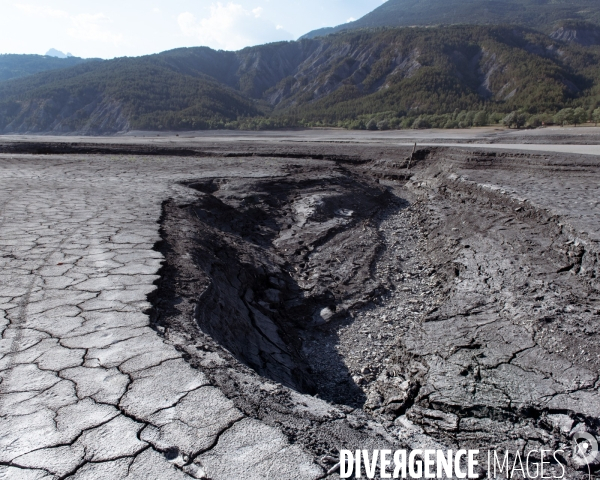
{"points": [[169, 317]]}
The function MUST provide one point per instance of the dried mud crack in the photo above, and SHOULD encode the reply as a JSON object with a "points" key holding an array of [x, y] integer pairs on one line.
{"points": [[306, 299]]}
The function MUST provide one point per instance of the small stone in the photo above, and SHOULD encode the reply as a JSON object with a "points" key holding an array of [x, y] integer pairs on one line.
{"points": [[562, 422], [195, 471], [323, 316]]}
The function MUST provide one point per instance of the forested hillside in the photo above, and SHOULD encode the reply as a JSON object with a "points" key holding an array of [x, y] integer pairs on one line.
{"points": [[384, 78], [16, 66], [117, 95]]}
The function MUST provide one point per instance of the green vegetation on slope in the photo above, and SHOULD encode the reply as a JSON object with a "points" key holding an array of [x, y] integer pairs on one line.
{"points": [[120, 94], [17, 66], [452, 69], [384, 78]]}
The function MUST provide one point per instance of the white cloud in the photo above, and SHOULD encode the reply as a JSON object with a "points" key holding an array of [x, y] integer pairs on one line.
{"points": [[41, 11], [84, 26], [89, 27], [231, 27], [351, 19]]}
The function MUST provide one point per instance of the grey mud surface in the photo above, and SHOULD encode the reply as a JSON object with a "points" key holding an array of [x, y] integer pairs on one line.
{"points": [[205, 310]]}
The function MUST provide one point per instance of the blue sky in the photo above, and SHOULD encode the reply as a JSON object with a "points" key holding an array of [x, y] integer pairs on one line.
{"points": [[116, 28]]}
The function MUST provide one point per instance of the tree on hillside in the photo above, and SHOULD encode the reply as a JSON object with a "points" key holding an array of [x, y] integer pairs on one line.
{"points": [[383, 125], [481, 119], [580, 116], [372, 124], [515, 119], [422, 122], [596, 116], [565, 117]]}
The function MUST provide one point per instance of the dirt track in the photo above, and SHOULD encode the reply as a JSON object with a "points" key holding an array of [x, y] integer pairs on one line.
{"points": [[447, 298]]}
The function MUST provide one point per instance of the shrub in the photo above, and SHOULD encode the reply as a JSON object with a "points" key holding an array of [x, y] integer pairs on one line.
{"points": [[481, 119], [451, 124], [383, 125], [422, 122], [515, 119], [596, 116]]}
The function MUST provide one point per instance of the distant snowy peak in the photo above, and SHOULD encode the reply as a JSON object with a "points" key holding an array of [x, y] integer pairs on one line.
{"points": [[53, 52]]}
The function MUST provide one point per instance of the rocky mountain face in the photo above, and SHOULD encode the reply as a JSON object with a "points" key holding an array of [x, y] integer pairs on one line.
{"points": [[581, 33], [539, 14], [101, 116], [251, 71], [339, 76], [468, 63]]}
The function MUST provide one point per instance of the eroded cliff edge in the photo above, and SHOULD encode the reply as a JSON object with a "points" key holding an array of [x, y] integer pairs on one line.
{"points": [[449, 299]]}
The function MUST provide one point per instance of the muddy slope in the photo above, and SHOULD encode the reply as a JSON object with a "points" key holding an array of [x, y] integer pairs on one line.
{"points": [[511, 349], [354, 309], [257, 267]]}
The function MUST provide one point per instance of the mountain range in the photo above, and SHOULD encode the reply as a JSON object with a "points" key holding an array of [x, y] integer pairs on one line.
{"points": [[368, 75], [16, 66], [544, 15]]}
